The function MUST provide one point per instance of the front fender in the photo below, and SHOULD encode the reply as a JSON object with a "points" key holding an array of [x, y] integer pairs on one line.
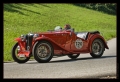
{"points": [[54, 44], [17, 39], [100, 37]]}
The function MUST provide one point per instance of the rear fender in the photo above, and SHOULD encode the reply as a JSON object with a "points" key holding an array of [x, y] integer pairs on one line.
{"points": [[100, 37]]}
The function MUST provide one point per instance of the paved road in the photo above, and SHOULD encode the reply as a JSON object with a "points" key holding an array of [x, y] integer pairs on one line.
{"points": [[63, 67]]}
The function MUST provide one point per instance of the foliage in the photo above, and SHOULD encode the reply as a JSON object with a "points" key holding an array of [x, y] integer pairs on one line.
{"points": [[109, 8]]}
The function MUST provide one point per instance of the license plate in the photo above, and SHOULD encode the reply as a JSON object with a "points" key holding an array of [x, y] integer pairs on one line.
{"points": [[21, 55]]}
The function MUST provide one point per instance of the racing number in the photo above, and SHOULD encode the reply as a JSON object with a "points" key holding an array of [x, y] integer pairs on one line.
{"points": [[78, 43]]}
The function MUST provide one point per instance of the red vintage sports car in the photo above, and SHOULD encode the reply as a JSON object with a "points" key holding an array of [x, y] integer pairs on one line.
{"points": [[58, 42]]}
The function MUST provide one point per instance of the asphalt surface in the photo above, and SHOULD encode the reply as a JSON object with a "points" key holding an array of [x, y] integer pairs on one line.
{"points": [[84, 67]]}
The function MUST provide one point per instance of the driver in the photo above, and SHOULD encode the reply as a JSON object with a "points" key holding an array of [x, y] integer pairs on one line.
{"points": [[67, 26]]}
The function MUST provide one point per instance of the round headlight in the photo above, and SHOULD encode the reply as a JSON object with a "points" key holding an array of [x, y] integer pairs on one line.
{"points": [[35, 36], [23, 37]]}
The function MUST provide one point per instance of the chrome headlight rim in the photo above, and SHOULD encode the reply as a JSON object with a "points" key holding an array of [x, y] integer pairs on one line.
{"points": [[35, 36], [22, 37]]}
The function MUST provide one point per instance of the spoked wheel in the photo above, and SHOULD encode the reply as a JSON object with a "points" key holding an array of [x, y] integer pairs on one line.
{"points": [[15, 55], [43, 52], [73, 56], [97, 48]]}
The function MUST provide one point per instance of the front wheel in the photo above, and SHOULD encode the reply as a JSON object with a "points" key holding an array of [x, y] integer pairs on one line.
{"points": [[73, 56], [42, 52], [15, 56], [97, 48]]}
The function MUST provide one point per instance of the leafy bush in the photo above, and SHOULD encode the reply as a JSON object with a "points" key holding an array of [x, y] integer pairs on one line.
{"points": [[109, 8]]}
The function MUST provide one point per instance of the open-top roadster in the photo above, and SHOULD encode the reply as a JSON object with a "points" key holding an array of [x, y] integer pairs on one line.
{"points": [[58, 42]]}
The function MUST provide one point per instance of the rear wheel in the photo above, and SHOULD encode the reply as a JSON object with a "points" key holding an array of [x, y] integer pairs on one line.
{"points": [[97, 48], [15, 56], [73, 56], [43, 52]]}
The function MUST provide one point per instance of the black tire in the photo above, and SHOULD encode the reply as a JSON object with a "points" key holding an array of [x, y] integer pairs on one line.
{"points": [[42, 52], [97, 48], [73, 56], [16, 58]]}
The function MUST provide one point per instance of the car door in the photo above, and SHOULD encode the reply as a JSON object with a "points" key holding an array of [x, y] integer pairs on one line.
{"points": [[79, 44], [59, 38]]}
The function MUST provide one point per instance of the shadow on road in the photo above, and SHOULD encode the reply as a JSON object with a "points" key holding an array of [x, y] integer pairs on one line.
{"points": [[72, 60], [88, 58]]}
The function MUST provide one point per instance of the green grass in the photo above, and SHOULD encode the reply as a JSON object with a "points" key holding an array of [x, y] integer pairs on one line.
{"points": [[23, 18]]}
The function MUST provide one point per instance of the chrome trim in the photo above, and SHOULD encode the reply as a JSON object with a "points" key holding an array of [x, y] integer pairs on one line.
{"points": [[35, 36], [22, 37]]}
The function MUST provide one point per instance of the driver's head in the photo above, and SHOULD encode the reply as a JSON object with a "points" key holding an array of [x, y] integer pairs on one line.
{"points": [[67, 26]]}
